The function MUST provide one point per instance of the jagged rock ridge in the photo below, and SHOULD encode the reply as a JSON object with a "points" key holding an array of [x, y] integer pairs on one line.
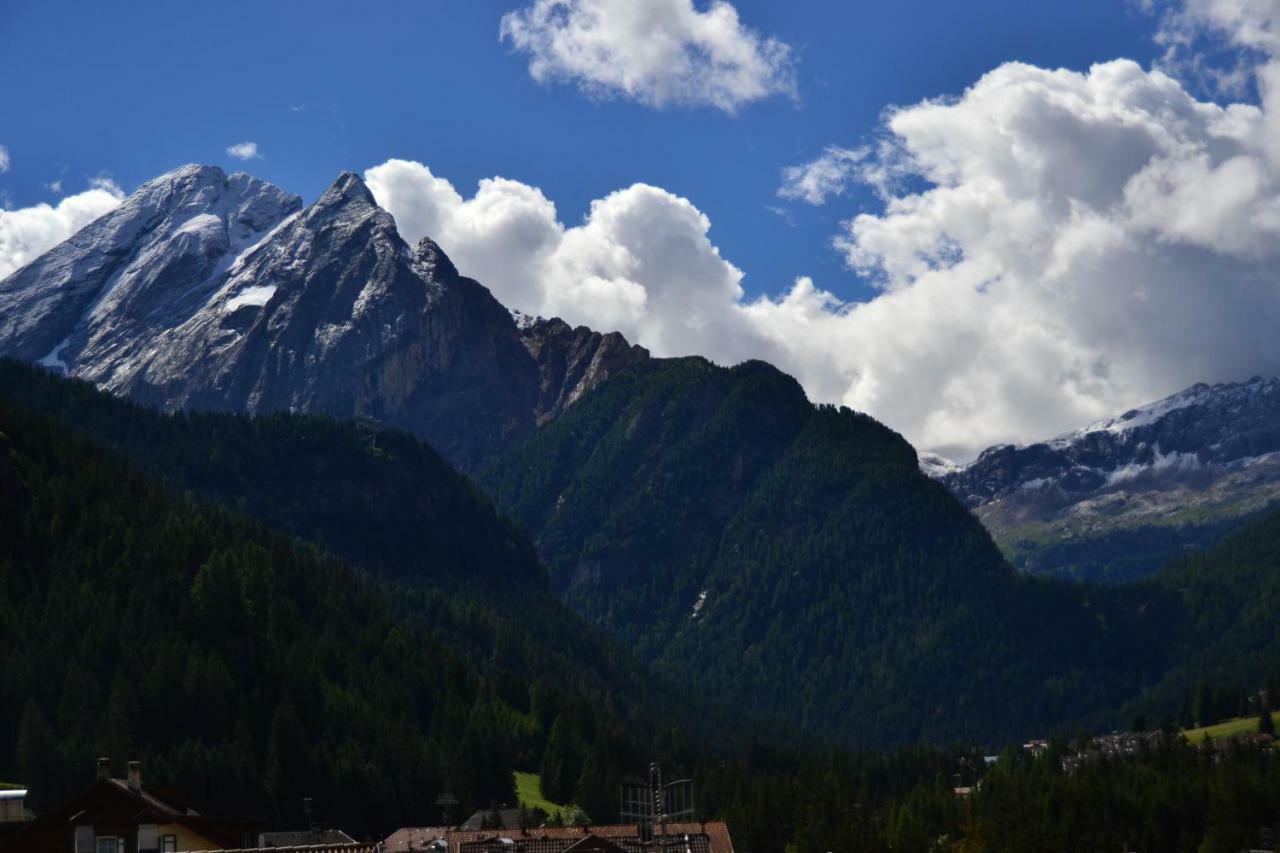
{"points": [[211, 291], [572, 361]]}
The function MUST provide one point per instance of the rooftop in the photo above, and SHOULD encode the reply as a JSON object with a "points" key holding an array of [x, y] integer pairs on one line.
{"points": [[709, 837]]}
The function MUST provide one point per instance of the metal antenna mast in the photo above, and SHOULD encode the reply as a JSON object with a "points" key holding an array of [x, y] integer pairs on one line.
{"points": [[659, 807]]}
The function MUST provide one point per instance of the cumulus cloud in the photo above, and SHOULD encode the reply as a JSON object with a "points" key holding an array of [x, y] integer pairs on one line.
{"points": [[1251, 24], [830, 174], [1075, 243], [1083, 241], [28, 232], [640, 262], [244, 151], [658, 52], [4, 159], [1064, 245]]}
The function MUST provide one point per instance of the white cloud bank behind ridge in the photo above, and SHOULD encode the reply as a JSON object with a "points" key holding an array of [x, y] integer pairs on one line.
{"points": [[1085, 241], [657, 52]]}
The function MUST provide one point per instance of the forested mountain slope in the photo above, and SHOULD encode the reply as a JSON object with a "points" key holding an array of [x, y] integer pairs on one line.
{"points": [[794, 559], [251, 668], [1228, 597], [376, 496], [195, 627]]}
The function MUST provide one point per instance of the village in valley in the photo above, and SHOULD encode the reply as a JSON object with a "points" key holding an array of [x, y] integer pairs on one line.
{"points": [[128, 815]]}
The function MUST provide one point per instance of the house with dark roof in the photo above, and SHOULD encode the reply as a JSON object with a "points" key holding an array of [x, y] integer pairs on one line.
{"points": [[306, 839], [127, 816]]}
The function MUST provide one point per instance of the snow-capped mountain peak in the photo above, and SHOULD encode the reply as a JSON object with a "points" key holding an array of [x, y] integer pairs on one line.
{"points": [[1204, 455]]}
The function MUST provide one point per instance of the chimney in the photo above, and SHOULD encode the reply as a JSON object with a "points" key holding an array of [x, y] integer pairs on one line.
{"points": [[135, 775], [104, 768]]}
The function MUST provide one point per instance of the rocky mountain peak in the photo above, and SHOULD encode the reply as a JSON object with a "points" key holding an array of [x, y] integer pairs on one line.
{"points": [[216, 291], [573, 360], [348, 188], [159, 254], [433, 263]]}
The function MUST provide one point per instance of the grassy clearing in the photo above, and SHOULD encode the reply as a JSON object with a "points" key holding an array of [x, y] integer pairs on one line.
{"points": [[1227, 728], [529, 793]]}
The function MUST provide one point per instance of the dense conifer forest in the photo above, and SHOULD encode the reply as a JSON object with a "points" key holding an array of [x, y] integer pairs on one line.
{"points": [[794, 558], [150, 607]]}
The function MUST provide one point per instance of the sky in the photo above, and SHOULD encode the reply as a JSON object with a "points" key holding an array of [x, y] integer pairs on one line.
{"points": [[981, 222]]}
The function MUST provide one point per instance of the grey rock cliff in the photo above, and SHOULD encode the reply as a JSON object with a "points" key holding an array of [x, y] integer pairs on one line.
{"points": [[209, 291], [571, 361]]}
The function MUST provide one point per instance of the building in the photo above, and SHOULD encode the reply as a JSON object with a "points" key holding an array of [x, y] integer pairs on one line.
{"points": [[306, 839], [505, 818], [703, 837], [127, 816], [340, 847], [13, 805]]}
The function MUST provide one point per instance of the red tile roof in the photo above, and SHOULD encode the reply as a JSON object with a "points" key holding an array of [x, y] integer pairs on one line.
{"points": [[709, 837]]}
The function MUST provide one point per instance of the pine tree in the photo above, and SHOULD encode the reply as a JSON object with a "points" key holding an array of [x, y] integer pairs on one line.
{"points": [[555, 782], [1203, 705]]}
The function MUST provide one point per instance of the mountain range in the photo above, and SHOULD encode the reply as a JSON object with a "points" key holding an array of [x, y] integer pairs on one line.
{"points": [[721, 529], [221, 292], [1117, 499]]}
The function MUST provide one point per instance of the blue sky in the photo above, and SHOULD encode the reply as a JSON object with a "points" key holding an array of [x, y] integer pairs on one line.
{"points": [[1057, 211], [132, 89]]}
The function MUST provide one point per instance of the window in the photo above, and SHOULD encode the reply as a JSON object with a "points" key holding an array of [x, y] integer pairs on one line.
{"points": [[109, 844], [168, 844]]}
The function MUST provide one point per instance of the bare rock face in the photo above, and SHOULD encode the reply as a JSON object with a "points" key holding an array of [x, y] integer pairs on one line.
{"points": [[209, 291], [145, 266], [571, 361]]}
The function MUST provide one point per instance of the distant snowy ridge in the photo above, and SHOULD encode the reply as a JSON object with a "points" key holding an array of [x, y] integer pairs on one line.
{"points": [[1203, 456]]}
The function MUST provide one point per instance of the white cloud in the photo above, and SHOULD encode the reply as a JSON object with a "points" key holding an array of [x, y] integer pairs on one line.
{"points": [[640, 262], [828, 175], [657, 52], [1083, 242], [1074, 244], [4, 159], [244, 151], [106, 184], [55, 186], [1251, 24], [27, 233], [1065, 245]]}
